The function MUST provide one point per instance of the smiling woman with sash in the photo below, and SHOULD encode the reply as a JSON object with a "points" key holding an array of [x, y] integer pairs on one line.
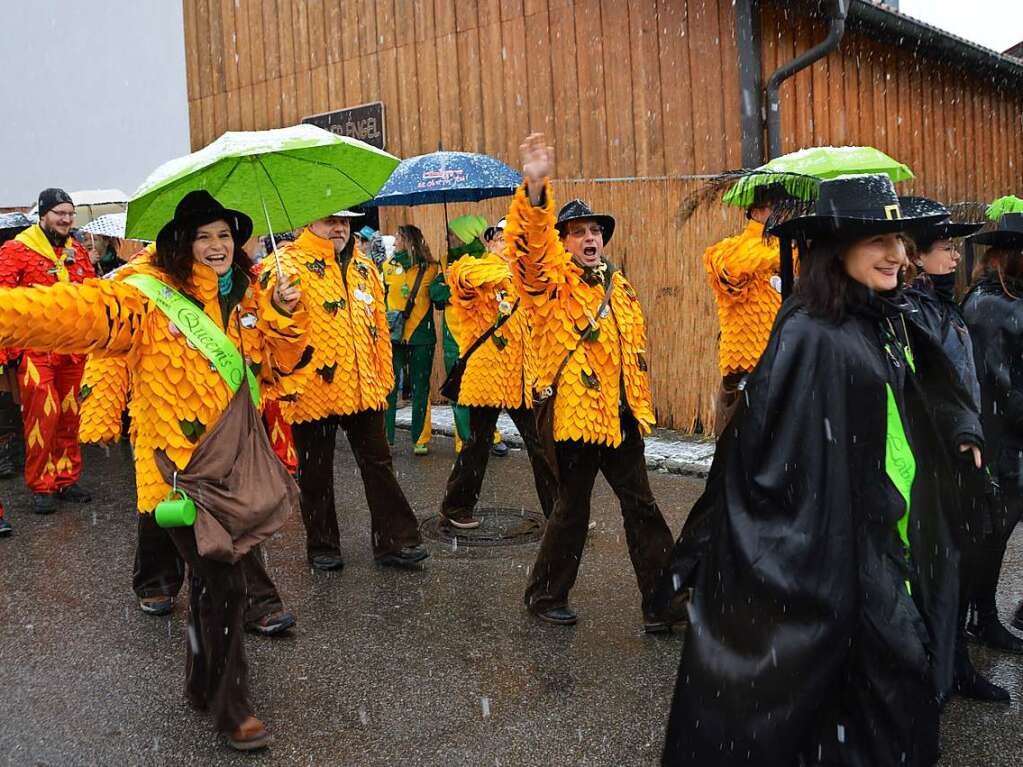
{"points": [[202, 342]]}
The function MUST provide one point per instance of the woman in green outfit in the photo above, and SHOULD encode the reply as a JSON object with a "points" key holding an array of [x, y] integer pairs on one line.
{"points": [[407, 277]]}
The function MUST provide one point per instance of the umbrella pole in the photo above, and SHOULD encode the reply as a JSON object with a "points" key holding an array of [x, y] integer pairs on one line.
{"points": [[270, 231]]}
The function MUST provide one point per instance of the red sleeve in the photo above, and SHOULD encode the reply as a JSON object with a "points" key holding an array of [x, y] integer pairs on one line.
{"points": [[82, 261]]}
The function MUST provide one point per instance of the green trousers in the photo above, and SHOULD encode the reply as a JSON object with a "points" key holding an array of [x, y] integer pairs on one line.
{"points": [[419, 359]]}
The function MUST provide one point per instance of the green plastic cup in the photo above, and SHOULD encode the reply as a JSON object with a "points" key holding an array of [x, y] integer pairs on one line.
{"points": [[176, 510]]}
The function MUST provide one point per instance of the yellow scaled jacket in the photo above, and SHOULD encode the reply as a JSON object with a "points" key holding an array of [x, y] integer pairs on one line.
{"points": [[351, 362], [496, 374], [176, 396], [560, 302], [740, 269]]}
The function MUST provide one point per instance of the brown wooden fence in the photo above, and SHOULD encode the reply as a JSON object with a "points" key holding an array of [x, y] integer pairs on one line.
{"points": [[644, 92]]}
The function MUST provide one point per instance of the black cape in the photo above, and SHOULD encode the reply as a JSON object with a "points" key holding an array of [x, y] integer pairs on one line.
{"points": [[804, 645]]}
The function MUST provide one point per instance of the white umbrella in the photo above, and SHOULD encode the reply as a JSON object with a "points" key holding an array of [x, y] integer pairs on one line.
{"points": [[109, 225]]}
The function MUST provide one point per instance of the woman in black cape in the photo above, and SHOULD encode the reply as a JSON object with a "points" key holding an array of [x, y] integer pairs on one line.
{"points": [[825, 569], [932, 295], [994, 313]]}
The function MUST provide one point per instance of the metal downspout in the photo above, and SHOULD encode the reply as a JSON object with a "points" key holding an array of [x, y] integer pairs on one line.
{"points": [[747, 38], [837, 15]]}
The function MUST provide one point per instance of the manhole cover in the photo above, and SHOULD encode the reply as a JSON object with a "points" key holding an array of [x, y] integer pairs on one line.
{"points": [[499, 526]]}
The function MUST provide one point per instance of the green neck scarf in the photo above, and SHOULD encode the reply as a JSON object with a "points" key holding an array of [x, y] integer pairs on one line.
{"points": [[225, 283]]}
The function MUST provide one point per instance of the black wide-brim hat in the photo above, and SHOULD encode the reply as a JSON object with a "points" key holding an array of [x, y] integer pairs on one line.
{"points": [[854, 207], [918, 207], [1008, 233], [199, 208], [577, 210]]}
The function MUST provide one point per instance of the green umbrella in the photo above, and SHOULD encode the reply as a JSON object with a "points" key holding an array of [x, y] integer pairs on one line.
{"points": [[1001, 206], [799, 171], [282, 178]]}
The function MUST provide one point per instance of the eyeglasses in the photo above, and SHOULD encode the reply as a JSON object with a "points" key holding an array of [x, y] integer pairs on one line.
{"points": [[62, 213]]}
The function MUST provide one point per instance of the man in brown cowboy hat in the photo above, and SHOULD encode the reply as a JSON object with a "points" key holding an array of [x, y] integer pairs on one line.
{"points": [[590, 368]]}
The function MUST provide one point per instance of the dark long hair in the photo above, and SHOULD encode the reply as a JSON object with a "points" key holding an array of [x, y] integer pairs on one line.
{"points": [[418, 248], [174, 255], [824, 287], [1002, 263]]}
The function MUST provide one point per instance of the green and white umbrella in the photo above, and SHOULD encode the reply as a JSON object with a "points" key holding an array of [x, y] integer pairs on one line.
{"points": [[800, 171], [282, 178]]}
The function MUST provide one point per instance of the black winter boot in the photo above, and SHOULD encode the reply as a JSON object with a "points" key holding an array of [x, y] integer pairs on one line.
{"points": [[969, 683], [986, 629]]}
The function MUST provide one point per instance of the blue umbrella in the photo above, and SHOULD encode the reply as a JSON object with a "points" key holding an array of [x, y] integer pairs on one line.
{"points": [[443, 177], [15, 221]]}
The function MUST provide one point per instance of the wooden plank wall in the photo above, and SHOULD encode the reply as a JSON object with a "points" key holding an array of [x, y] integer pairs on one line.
{"points": [[644, 92], [961, 131]]}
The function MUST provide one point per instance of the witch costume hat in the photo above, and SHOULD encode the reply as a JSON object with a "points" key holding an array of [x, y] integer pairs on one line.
{"points": [[849, 207], [917, 207], [199, 208], [577, 210], [1007, 234]]}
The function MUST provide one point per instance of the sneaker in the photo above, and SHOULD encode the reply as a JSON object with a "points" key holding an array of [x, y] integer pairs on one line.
{"points": [[43, 503], [560, 616], [250, 735], [5, 528], [73, 494], [273, 624], [464, 521], [327, 562], [408, 557], [160, 605], [500, 449], [420, 450]]}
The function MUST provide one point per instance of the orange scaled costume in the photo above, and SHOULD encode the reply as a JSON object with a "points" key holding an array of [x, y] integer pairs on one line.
{"points": [[175, 396], [740, 269], [496, 377], [559, 302], [496, 374], [348, 331], [347, 389], [48, 382], [595, 430]]}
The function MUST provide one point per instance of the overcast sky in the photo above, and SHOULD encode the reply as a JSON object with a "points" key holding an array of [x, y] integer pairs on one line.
{"points": [[96, 90]]}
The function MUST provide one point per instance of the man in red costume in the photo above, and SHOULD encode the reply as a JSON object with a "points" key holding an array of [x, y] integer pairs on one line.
{"points": [[45, 254]]}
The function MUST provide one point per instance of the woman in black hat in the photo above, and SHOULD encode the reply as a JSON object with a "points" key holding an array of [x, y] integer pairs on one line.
{"points": [[994, 314], [159, 320], [935, 255], [823, 619]]}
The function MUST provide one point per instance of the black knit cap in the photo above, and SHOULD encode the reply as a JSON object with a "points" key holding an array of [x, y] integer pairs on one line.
{"points": [[51, 198]]}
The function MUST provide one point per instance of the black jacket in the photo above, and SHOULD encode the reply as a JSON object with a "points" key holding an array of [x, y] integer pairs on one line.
{"points": [[804, 640], [933, 299], [995, 321]]}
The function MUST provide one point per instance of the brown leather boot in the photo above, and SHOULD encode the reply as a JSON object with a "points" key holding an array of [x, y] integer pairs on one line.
{"points": [[250, 735]]}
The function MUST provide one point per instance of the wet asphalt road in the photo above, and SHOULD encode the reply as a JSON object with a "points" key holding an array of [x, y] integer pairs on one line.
{"points": [[439, 667]]}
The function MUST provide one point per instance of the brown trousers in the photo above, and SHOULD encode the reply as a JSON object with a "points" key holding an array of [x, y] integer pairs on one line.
{"points": [[466, 480], [393, 524], [646, 532], [216, 671], [160, 572]]}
